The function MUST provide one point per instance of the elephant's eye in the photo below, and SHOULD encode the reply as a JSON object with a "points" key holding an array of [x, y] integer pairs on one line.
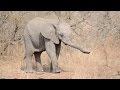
{"points": [[61, 34]]}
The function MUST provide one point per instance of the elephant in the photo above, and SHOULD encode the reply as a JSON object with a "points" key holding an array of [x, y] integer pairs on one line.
{"points": [[42, 34]]}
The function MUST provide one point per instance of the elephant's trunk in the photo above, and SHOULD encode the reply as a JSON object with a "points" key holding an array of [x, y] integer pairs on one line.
{"points": [[74, 45], [78, 47]]}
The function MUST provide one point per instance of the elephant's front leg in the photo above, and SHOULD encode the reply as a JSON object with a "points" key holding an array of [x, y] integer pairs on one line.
{"points": [[51, 51]]}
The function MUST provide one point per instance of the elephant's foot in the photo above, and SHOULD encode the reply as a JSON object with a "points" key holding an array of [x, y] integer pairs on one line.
{"points": [[39, 68], [56, 70], [27, 70]]}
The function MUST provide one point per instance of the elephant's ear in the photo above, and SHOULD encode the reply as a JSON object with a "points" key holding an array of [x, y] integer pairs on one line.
{"points": [[50, 33]]}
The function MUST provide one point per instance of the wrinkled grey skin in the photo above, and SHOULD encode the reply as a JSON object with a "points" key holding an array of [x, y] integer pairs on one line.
{"points": [[46, 35]]}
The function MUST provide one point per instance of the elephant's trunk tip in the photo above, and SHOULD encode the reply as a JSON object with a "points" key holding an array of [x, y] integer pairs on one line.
{"points": [[86, 52]]}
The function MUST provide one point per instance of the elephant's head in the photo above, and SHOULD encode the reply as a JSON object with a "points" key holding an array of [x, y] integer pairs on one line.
{"points": [[63, 32]]}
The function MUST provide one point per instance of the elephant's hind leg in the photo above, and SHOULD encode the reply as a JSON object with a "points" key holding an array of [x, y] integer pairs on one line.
{"points": [[28, 61], [28, 53], [38, 61]]}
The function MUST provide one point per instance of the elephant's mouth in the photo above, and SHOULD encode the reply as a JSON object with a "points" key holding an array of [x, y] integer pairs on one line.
{"points": [[65, 43]]}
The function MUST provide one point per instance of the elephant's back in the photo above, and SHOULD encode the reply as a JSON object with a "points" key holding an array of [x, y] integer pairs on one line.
{"points": [[38, 25], [39, 20]]}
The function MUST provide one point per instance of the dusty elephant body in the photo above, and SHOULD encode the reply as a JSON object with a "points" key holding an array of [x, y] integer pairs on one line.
{"points": [[46, 35]]}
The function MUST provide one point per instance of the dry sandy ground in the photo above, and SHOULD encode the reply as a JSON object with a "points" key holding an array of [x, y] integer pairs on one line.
{"points": [[11, 70]]}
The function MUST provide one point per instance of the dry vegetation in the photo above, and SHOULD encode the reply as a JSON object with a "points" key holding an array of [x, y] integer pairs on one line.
{"points": [[96, 31]]}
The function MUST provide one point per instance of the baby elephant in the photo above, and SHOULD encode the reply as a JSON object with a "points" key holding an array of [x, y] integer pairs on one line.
{"points": [[46, 35]]}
